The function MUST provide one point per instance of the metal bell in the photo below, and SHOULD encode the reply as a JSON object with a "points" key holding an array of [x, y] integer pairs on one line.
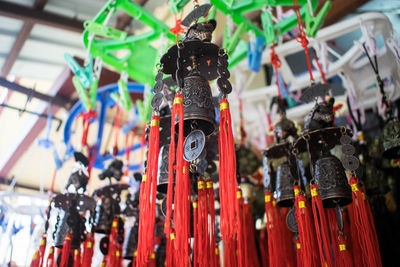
{"points": [[131, 242], [63, 228], [198, 107], [390, 139], [331, 179], [107, 208], [162, 175], [284, 185]]}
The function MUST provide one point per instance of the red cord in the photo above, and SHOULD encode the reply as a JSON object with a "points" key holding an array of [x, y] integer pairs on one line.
{"points": [[302, 38], [276, 62]]}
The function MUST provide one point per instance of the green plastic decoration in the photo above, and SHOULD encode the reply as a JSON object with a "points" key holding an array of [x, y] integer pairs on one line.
{"points": [[105, 31], [177, 5], [144, 109], [82, 93], [313, 24], [124, 97], [85, 74], [93, 93], [135, 55]]}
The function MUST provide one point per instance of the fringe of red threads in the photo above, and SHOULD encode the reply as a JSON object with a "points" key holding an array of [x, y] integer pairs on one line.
{"points": [[195, 235], [148, 192], [263, 248], [50, 257], [227, 174], [77, 257], [307, 237], [66, 251], [361, 217], [88, 251], [240, 233], [286, 252], [182, 195], [202, 217], [251, 248], [111, 257], [271, 230], [321, 228], [211, 227]]}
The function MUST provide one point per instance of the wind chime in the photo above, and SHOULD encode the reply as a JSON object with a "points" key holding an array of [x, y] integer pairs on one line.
{"points": [[185, 161], [70, 230]]}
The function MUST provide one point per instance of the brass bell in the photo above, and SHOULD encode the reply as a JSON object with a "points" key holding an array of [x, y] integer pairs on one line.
{"points": [[390, 139], [331, 179], [107, 208], [63, 229], [131, 242], [162, 175], [285, 180], [198, 107]]}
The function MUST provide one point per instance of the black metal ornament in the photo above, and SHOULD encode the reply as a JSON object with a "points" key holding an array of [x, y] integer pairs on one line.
{"points": [[195, 14], [321, 116], [314, 91], [390, 139], [113, 170]]}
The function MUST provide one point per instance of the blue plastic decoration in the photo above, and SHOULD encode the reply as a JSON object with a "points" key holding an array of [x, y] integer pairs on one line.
{"points": [[106, 101], [254, 53]]}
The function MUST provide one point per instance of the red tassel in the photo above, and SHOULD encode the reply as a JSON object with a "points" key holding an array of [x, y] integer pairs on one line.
{"points": [[35, 259], [240, 236], [87, 254], [202, 223], [66, 251], [230, 255], [321, 228], [211, 227], [343, 256], [152, 262], [263, 248], [77, 258], [251, 249], [148, 192], [271, 230], [299, 254], [196, 235], [308, 245], [111, 257], [361, 218], [286, 251], [227, 174]]}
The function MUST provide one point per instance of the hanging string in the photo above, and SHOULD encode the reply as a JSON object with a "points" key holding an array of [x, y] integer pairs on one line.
{"points": [[276, 63], [117, 126], [321, 72], [177, 29], [302, 37], [128, 148], [375, 68]]}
